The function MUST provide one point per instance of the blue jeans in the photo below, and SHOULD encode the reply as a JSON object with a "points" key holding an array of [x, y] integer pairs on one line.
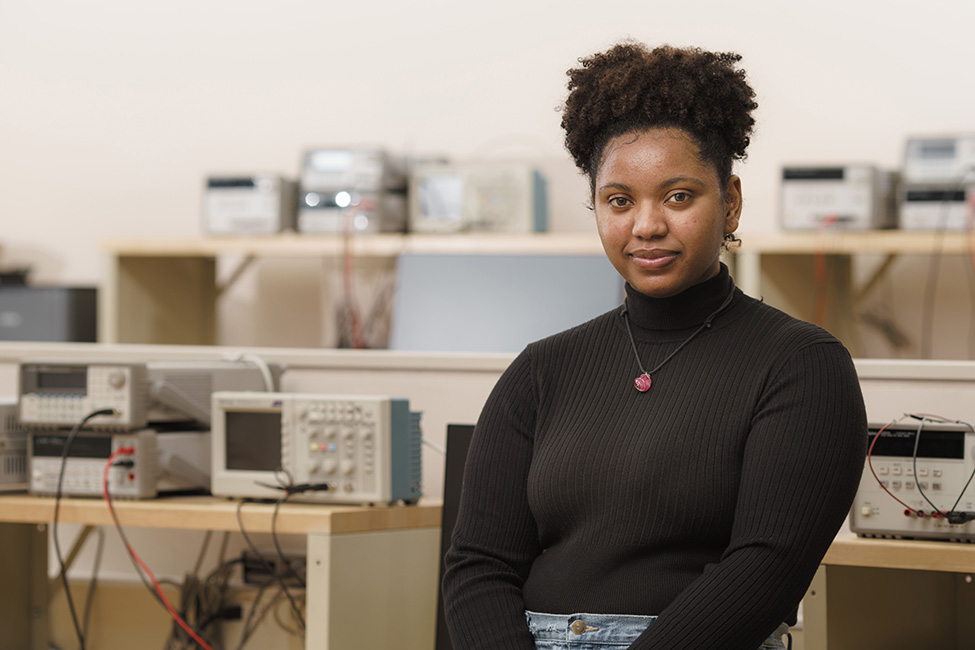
{"points": [[603, 631]]}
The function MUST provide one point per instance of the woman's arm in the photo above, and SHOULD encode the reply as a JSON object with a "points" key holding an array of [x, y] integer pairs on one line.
{"points": [[800, 471], [495, 539]]}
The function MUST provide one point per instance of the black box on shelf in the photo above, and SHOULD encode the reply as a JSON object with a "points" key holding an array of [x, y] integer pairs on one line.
{"points": [[59, 314]]}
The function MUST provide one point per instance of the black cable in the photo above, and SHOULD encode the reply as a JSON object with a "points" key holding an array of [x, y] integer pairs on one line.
{"points": [[267, 566], [247, 630], [131, 553], [274, 538], [971, 310], [917, 440], [89, 599], [125, 542], [934, 271], [57, 508], [930, 291], [255, 616]]}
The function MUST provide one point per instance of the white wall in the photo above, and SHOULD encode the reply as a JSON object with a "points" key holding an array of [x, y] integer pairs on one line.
{"points": [[112, 113]]}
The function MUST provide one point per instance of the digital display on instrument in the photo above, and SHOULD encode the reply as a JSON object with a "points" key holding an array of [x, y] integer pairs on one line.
{"points": [[937, 149], [66, 381], [813, 173], [898, 441], [45, 445], [253, 440], [331, 160], [935, 196]]}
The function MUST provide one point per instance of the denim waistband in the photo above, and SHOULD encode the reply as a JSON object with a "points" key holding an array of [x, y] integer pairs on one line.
{"points": [[592, 628], [600, 628]]}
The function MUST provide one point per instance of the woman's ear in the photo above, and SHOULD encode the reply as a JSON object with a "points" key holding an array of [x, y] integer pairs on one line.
{"points": [[732, 203]]}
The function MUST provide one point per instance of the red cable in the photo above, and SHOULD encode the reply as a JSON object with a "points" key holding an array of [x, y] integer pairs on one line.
{"points": [[970, 222], [348, 270], [928, 416], [108, 499], [819, 261], [870, 465]]}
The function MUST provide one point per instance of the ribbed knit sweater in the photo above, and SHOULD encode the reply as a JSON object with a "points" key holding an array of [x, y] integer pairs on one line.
{"points": [[707, 501]]}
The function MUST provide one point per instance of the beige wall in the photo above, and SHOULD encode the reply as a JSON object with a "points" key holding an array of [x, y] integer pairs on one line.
{"points": [[113, 112]]}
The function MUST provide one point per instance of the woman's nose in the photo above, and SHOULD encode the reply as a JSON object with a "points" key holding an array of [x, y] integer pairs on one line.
{"points": [[649, 221]]}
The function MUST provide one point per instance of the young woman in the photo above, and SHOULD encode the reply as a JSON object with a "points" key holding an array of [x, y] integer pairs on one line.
{"points": [[670, 474]]}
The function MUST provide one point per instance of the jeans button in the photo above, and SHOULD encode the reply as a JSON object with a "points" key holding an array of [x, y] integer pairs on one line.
{"points": [[578, 626]]}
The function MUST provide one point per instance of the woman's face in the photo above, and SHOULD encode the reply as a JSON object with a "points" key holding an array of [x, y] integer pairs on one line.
{"points": [[661, 212]]}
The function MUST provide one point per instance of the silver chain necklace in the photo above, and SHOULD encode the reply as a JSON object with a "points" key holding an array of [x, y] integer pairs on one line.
{"points": [[642, 383]]}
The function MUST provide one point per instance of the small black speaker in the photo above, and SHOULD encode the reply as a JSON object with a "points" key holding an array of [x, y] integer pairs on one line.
{"points": [[458, 440]]}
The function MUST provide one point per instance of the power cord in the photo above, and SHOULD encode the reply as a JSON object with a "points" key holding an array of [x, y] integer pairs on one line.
{"points": [[63, 572], [156, 588], [267, 565]]}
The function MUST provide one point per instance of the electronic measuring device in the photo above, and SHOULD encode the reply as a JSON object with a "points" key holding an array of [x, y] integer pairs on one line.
{"points": [[261, 204], [60, 393], [155, 462], [848, 197], [939, 159], [13, 448], [935, 207], [361, 449], [477, 197], [945, 462], [359, 190]]}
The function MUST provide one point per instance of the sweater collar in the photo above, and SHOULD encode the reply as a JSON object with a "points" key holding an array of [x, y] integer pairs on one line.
{"points": [[687, 309]]}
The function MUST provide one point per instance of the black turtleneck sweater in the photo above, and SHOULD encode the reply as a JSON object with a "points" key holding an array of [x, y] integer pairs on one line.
{"points": [[707, 501]]}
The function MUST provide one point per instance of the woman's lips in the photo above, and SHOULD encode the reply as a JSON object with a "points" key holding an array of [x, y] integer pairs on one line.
{"points": [[652, 259]]}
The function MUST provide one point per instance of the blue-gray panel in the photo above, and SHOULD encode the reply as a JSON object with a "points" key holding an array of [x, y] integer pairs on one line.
{"points": [[496, 303]]}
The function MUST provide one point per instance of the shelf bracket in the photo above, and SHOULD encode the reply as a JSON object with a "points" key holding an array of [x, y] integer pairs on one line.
{"points": [[875, 278], [235, 274]]}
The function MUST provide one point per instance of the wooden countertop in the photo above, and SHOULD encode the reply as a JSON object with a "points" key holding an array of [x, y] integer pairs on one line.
{"points": [[850, 550]]}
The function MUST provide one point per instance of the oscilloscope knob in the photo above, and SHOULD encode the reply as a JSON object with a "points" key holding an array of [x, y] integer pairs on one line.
{"points": [[116, 379]]}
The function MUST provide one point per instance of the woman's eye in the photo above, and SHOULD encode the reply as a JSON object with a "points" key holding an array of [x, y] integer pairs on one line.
{"points": [[619, 201], [680, 197]]}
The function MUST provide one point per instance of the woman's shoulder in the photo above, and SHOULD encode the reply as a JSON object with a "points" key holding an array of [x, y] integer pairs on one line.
{"points": [[768, 333], [586, 334]]}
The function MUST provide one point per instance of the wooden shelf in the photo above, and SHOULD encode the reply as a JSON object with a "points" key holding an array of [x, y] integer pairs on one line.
{"points": [[582, 243], [837, 242], [377, 245], [167, 291], [212, 513]]}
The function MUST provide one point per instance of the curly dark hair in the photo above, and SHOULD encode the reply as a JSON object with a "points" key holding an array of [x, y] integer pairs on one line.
{"points": [[632, 88]]}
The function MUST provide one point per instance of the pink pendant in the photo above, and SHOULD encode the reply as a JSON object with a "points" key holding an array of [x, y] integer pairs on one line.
{"points": [[642, 383]]}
